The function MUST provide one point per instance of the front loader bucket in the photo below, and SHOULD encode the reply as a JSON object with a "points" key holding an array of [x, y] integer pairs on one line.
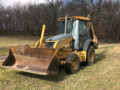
{"points": [[34, 60]]}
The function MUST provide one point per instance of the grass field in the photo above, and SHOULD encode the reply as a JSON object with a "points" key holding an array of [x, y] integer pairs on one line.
{"points": [[103, 75], [7, 41]]}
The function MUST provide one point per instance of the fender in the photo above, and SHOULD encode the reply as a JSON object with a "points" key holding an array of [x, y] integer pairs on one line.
{"points": [[88, 42]]}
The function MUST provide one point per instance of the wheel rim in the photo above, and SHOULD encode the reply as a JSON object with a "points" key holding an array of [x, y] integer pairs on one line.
{"points": [[75, 63], [91, 56]]}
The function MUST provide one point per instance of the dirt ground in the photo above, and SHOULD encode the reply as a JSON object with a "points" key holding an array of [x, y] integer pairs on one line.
{"points": [[3, 57]]}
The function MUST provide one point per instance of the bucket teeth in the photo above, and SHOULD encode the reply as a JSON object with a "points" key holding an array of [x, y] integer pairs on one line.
{"points": [[33, 60]]}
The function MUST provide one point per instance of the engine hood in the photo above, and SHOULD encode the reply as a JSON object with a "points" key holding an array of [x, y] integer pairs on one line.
{"points": [[58, 37]]}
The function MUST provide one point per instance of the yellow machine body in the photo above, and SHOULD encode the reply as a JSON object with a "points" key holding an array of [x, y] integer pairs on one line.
{"points": [[42, 60]]}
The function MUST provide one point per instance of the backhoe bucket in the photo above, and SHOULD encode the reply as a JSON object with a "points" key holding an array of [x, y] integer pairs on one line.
{"points": [[34, 60]]}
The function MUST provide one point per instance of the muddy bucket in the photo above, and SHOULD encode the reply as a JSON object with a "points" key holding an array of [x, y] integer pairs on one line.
{"points": [[34, 60]]}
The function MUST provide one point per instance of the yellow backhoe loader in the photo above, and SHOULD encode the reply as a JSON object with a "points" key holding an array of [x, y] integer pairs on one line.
{"points": [[75, 43]]}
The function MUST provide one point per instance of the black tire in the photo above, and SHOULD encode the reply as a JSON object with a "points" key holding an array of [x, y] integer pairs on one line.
{"points": [[90, 56], [72, 64]]}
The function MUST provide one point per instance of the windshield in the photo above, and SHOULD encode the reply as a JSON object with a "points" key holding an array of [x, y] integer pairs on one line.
{"points": [[70, 27]]}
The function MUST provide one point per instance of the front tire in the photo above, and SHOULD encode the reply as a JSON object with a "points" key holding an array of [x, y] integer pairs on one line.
{"points": [[72, 64]]}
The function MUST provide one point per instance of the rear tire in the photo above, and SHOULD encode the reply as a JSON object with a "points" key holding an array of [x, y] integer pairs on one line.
{"points": [[90, 56], [72, 64]]}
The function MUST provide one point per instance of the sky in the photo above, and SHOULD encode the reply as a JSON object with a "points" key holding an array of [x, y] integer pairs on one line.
{"points": [[12, 2]]}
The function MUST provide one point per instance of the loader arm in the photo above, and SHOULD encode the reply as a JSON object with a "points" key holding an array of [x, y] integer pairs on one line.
{"points": [[40, 43], [38, 59]]}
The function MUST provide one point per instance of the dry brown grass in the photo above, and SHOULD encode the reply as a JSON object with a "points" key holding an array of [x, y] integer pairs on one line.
{"points": [[6, 41], [17, 40], [103, 75], [115, 51]]}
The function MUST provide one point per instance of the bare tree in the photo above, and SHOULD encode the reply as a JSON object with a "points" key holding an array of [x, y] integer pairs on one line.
{"points": [[22, 19]]}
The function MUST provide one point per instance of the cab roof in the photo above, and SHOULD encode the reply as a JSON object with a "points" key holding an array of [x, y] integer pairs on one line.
{"points": [[77, 18]]}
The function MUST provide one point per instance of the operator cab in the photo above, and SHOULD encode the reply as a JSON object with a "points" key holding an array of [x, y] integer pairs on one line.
{"points": [[77, 28]]}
